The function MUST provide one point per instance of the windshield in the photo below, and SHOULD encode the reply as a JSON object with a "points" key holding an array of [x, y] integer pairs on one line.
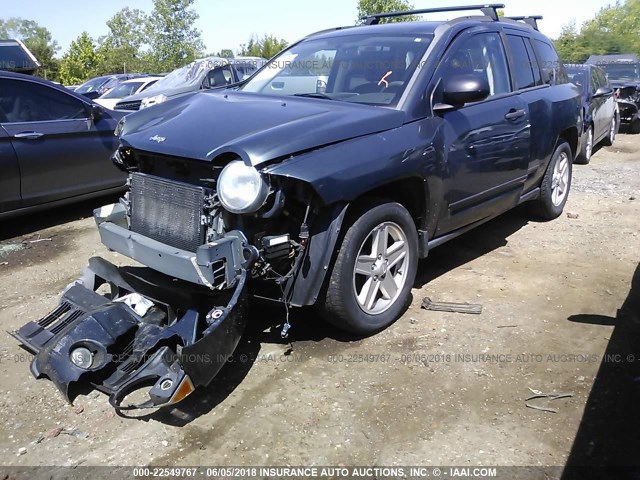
{"points": [[360, 68], [621, 71], [91, 85], [578, 78], [123, 90], [189, 75]]}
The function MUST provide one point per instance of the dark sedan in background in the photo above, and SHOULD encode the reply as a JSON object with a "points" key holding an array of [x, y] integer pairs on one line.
{"points": [[623, 71], [599, 108], [55, 146]]}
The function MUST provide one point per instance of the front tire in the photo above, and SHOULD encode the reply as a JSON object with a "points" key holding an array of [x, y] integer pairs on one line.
{"points": [[371, 280], [555, 186]]}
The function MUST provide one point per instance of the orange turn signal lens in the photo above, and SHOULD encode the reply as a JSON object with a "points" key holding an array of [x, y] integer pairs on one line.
{"points": [[185, 389]]}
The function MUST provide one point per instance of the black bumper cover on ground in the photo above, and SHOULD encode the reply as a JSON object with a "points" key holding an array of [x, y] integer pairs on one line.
{"points": [[130, 352]]}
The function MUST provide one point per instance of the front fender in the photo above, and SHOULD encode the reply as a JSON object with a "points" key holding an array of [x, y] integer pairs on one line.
{"points": [[345, 171]]}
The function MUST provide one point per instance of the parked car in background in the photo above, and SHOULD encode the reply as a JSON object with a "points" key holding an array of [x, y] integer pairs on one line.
{"points": [[125, 89], [55, 146], [623, 71], [247, 66], [205, 73], [308, 76], [98, 86], [600, 115], [16, 57]]}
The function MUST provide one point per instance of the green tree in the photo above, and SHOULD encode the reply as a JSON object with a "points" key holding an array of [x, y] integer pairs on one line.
{"points": [[265, 47], [369, 7], [173, 40], [121, 49], [614, 29], [81, 61], [224, 53], [37, 39]]}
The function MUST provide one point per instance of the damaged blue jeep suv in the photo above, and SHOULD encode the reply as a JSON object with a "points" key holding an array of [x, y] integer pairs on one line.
{"points": [[321, 180]]}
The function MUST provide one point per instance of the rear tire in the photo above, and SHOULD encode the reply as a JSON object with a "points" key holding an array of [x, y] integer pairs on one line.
{"points": [[555, 185], [587, 149], [613, 131], [634, 128], [375, 268]]}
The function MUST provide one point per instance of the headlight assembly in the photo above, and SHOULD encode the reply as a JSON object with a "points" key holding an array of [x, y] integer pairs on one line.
{"points": [[241, 188], [150, 101], [120, 126]]}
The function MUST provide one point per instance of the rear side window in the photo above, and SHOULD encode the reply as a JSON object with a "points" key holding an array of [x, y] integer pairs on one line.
{"points": [[553, 71], [537, 76], [602, 78], [595, 81], [521, 67]]}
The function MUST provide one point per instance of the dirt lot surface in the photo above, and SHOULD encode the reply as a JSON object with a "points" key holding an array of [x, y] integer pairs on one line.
{"points": [[433, 389]]}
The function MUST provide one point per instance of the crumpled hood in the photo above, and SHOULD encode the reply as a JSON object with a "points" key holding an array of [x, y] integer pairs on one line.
{"points": [[169, 92], [256, 127]]}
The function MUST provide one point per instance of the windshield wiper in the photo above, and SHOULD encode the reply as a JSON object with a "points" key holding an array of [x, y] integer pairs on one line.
{"points": [[313, 95]]}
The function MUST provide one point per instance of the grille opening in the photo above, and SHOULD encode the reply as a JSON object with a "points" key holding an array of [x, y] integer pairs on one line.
{"points": [[167, 211]]}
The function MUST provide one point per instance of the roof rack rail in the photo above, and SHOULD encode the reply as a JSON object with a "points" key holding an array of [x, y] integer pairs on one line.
{"points": [[490, 10], [531, 20]]}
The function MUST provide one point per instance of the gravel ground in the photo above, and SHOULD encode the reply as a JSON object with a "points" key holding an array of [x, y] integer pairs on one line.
{"points": [[433, 389]]}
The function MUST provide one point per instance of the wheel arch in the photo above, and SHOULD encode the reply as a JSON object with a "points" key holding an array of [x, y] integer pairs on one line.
{"points": [[570, 135], [411, 193]]}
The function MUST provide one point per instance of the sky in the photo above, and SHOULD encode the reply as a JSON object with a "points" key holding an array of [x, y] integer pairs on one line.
{"points": [[226, 24]]}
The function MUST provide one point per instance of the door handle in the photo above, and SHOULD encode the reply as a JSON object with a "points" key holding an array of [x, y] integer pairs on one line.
{"points": [[515, 114], [28, 135]]}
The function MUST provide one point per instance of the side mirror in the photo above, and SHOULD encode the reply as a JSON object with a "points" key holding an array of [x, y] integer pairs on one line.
{"points": [[603, 92], [96, 112], [461, 89]]}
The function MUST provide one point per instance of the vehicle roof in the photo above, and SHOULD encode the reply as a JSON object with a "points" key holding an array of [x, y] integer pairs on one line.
{"points": [[17, 53], [579, 66], [243, 59], [620, 58], [416, 28], [143, 79], [220, 60], [425, 27]]}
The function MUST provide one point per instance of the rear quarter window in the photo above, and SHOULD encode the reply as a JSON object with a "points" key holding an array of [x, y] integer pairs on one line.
{"points": [[553, 71]]}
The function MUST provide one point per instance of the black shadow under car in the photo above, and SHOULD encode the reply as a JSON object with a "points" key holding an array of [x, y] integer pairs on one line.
{"points": [[422, 131]]}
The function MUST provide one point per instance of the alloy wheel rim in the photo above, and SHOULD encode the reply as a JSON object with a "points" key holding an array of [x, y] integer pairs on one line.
{"points": [[380, 271], [560, 180], [612, 133], [589, 149]]}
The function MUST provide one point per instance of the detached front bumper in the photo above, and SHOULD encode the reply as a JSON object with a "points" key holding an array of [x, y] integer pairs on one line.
{"points": [[151, 331]]}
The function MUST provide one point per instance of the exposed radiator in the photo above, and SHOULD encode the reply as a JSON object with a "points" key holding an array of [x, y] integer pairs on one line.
{"points": [[167, 211]]}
